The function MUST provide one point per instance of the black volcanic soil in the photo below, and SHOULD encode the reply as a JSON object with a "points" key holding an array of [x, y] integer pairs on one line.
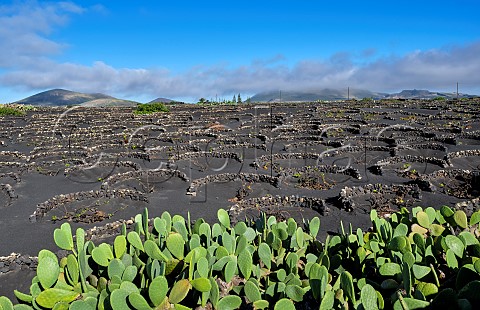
{"points": [[93, 167]]}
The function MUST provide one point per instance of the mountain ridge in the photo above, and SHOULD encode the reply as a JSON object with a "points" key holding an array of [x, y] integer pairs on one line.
{"points": [[162, 100], [62, 97], [336, 94]]}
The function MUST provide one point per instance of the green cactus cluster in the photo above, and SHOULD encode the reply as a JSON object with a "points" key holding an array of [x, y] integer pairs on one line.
{"points": [[423, 258]]}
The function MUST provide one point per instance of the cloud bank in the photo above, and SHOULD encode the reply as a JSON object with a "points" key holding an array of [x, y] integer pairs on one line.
{"points": [[25, 28], [27, 63]]}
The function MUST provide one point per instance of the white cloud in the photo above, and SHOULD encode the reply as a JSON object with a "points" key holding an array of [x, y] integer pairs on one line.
{"points": [[435, 69], [24, 31]]}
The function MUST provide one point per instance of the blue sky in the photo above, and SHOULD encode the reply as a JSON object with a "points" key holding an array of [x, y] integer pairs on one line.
{"points": [[141, 50]]}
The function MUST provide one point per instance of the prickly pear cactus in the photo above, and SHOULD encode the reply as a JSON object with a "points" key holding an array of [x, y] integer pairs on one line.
{"points": [[170, 262]]}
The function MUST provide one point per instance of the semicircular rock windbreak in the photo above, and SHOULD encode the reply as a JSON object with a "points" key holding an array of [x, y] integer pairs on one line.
{"points": [[6, 195]]}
